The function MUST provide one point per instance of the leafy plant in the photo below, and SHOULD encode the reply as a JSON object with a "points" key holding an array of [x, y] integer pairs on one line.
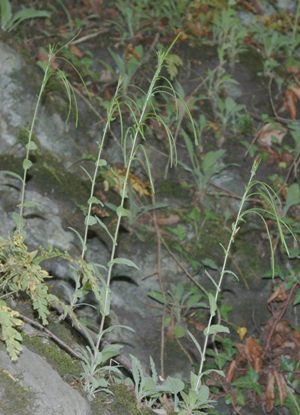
{"points": [[10, 21], [202, 170], [180, 301], [10, 324], [21, 273], [268, 199], [229, 34], [97, 370], [149, 390], [127, 68]]}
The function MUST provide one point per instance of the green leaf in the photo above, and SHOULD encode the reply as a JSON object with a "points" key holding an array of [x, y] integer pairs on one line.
{"points": [[90, 221], [154, 374], [95, 201], [157, 295], [31, 146], [101, 163], [9, 322], [212, 304], [297, 298], [292, 197], [179, 331], [110, 351], [203, 394], [123, 261], [172, 62], [216, 328], [102, 224], [209, 263], [210, 163], [6, 14], [26, 14], [122, 212], [172, 385], [27, 164], [12, 173], [17, 219]]}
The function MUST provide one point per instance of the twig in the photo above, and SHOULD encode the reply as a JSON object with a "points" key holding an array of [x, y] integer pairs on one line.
{"points": [[279, 317], [162, 289], [49, 333], [89, 36]]}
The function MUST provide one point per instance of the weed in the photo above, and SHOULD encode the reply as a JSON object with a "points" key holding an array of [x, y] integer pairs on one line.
{"points": [[10, 21], [180, 302], [21, 273], [203, 170], [229, 35]]}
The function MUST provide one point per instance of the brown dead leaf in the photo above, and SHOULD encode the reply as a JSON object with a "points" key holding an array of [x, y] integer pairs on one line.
{"points": [[76, 51], [100, 212], [231, 371], [195, 28], [282, 387], [291, 98], [168, 220], [131, 52], [295, 91], [253, 351], [290, 103], [284, 328], [269, 392], [43, 56], [270, 133], [278, 295]]}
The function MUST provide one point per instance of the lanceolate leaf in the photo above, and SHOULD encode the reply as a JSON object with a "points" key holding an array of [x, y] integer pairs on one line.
{"points": [[216, 328], [123, 261]]}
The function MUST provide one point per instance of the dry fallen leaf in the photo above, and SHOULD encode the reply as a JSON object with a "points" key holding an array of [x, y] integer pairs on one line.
{"points": [[231, 371], [271, 133], [253, 351], [76, 51], [269, 392], [168, 220], [278, 295], [282, 387], [291, 97]]}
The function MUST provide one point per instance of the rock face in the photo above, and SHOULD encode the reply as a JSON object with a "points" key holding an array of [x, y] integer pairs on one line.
{"points": [[39, 390]]}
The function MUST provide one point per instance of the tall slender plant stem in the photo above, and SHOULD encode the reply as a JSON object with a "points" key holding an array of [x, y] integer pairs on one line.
{"points": [[26, 165], [120, 211], [235, 229], [110, 114]]}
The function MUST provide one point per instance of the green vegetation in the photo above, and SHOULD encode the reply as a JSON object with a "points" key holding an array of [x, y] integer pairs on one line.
{"points": [[146, 106]]}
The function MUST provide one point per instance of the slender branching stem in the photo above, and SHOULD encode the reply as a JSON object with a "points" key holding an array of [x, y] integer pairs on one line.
{"points": [[30, 134], [111, 111], [138, 128], [235, 229]]}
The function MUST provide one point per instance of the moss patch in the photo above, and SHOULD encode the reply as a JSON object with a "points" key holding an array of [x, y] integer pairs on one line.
{"points": [[14, 398], [122, 403], [66, 366]]}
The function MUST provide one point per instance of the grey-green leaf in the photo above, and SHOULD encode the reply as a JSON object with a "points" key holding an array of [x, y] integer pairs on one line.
{"points": [[123, 261], [27, 164], [216, 328]]}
